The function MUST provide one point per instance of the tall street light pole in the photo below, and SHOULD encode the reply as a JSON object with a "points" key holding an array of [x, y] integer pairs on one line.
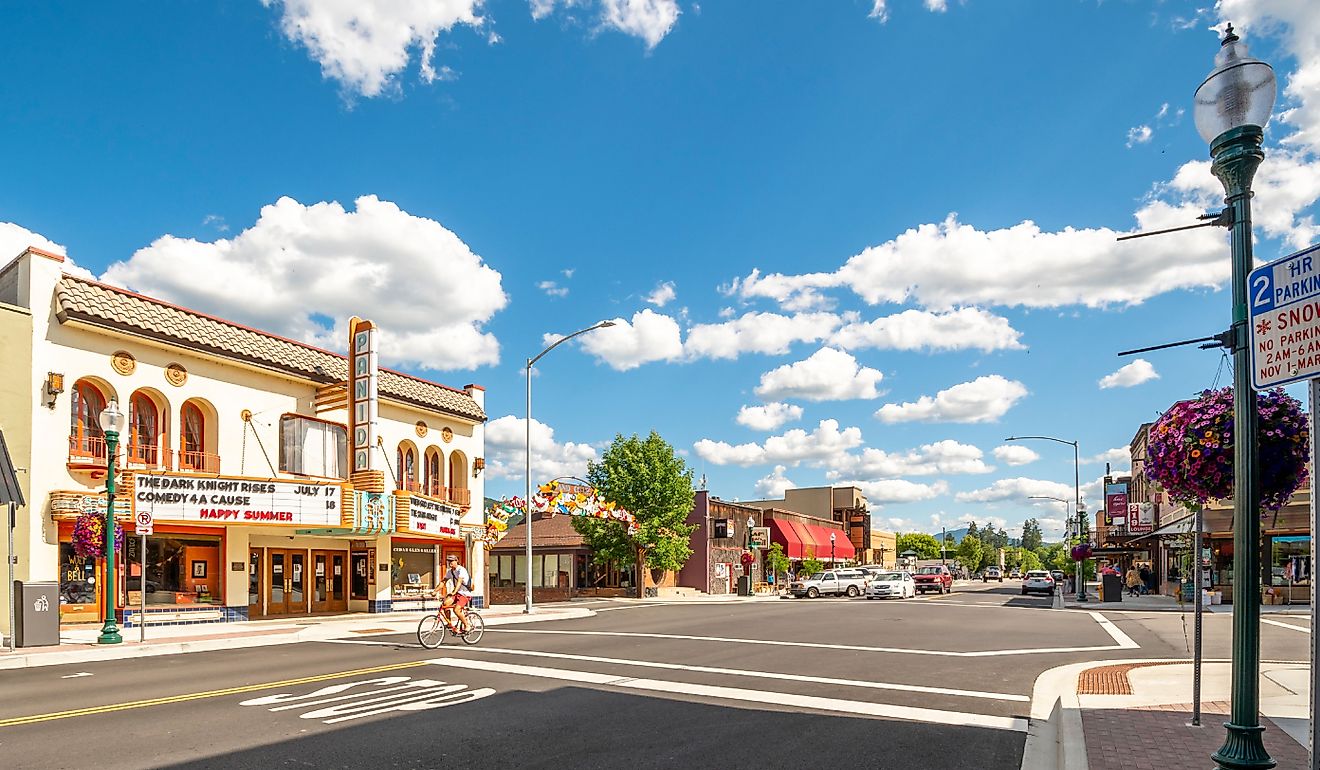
{"points": [[527, 501], [112, 422], [1231, 108], [1080, 579]]}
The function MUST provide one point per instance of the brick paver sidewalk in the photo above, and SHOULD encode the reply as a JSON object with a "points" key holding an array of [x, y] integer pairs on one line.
{"points": [[1161, 738]]}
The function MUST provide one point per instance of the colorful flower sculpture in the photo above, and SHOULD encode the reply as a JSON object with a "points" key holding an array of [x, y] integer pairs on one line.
{"points": [[89, 536], [497, 519], [1190, 448], [579, 500]]}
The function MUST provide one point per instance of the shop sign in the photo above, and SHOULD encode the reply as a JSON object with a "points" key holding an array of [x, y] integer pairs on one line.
{"points": [[428, 517], [362, 417], [760, 537], [1141, 518], [1116, 504], [373, 513], [236, 501]]}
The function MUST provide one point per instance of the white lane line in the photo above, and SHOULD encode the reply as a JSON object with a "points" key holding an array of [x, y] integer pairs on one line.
{"points": [[836, 705], [1281, 624], [75, 676], [824, 646], [759, 674], [1124, 641]]}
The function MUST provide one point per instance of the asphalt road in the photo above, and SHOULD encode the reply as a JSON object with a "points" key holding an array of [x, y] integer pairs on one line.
{"points": [[936, 682]]}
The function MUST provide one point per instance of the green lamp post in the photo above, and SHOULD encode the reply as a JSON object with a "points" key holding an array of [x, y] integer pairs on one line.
{"points": [[112, 422], [1231, 108]]}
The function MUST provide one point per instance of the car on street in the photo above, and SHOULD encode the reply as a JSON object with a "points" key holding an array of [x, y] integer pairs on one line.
{"points": [[935, 577], [840, 582], [1014, 573], [1038, 581], [1058, 576], [887, 585], [992, 573]]}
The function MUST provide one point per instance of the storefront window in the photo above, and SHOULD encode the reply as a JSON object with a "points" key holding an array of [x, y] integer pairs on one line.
{"points": [[412, 568], [360, 578], [77, 577], [181, 569], [1290, 560], [313, 447]]}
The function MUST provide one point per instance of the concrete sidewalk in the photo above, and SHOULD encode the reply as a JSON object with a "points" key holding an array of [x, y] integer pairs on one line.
{"points": [[78, 643], [1160, 603], [1136, 715]]}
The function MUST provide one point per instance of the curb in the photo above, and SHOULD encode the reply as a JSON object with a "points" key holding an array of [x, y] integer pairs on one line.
{"points": [[298, 635]]}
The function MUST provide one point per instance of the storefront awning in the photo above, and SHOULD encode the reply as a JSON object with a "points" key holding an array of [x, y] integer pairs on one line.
{"points": [[1184, 526], [784, 533], [843, 548], [801, 541]]}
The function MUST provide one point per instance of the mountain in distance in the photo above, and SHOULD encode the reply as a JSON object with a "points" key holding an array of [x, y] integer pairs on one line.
{"points": [[957, 534]]}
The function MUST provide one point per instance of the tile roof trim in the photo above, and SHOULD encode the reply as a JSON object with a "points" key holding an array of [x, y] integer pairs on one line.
{"points": [[62, 314]]}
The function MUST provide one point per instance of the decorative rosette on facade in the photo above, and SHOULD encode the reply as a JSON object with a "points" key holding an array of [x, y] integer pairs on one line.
{"points": [[89, 536], [1190, 448]]}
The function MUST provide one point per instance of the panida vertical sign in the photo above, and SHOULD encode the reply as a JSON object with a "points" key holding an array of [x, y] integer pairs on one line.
{"points": [[362, 419]]}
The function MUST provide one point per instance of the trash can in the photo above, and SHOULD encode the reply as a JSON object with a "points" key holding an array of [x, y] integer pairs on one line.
{"points": [[744, 585], [37, 616], [1111, 588]]}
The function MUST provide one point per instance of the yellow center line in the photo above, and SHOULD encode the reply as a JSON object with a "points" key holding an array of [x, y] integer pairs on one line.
{"points": [[27, 720]]}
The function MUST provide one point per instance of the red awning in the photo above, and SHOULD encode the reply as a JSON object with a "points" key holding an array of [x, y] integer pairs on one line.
{"points": [[784, 533], [803, 540]]}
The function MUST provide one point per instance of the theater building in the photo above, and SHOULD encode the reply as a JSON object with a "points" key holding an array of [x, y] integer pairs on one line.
{"points": [[281, 479]]}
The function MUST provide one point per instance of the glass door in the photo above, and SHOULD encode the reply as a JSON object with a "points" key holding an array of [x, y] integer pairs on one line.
{"points": [[297, 593], [254, 583], [277, 601], [338, 600]]}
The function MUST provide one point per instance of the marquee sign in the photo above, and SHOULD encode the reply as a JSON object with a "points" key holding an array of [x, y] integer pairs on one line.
{"points": [[429, 517], [235, 500], [363, 423]]}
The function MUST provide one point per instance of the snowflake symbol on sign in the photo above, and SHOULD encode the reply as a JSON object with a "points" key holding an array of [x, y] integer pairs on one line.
{"points": [[1263, 326]]}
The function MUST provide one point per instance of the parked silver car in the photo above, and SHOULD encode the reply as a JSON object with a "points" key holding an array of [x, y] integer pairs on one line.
{"points": [[839, 582]]}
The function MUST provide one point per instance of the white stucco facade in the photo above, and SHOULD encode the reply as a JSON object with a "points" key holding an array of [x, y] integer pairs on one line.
{"points": [[218, 570]]}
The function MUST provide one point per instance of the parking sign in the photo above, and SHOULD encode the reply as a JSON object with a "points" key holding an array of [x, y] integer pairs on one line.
{"points": [[145, 524]]}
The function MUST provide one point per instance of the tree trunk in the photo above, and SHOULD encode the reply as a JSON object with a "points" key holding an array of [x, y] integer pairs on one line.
{"points": [[641, 573]]}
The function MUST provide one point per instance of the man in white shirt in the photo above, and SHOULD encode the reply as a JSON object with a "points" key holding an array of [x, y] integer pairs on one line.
{"points": [[458, 589]]}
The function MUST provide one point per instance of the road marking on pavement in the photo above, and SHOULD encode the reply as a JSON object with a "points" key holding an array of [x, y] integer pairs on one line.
{"points": [[1124, 641], [836, 705], [92, 710], [395, 693], [1281, 624], [758, 674], [75, 676]]}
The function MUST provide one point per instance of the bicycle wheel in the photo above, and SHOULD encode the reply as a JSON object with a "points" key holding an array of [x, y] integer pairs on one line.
{"points": [[431, 631], [476, 627]]}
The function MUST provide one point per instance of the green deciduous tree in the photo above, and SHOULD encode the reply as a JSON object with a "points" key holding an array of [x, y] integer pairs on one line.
{"points": [[1030, 561], [811, 565], [970, 553], [926, 546], [1031, 535], [776, 560], [647, 478]]}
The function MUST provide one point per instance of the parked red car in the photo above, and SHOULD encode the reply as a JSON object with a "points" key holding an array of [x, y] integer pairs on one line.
{"points": [[935, 578]]}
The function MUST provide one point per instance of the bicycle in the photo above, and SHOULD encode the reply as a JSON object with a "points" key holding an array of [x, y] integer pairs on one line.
{"points": [[431, 629]]}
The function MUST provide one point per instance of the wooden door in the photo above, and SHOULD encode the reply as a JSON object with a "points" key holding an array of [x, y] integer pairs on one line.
{"points": [[327, 581], [288, 582], [256, 584]]}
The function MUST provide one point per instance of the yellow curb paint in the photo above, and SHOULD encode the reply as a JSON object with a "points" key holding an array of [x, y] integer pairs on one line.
{"points": [[92, 710]]}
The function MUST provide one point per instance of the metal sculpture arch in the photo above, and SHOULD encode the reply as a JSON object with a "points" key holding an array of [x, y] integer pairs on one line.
{"points": [[556, 498]]}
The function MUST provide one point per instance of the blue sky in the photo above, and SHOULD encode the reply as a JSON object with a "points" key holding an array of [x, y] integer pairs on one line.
{"points": [[886, 229]]}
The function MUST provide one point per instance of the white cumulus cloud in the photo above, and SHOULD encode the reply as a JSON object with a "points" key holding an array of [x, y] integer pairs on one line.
{"points": [[1016, 489], [947, 457], [506, 442], [792, 448], [966, 328], [1015, 454], [770, 333], [300, 265], [773, 484], [363, 44], [662, 295], [649, 20], [1119, 457], [768, 416], [984, 399], [649, 336], [1135, 373], [889, 491], [1139, 135], [827, 375]]}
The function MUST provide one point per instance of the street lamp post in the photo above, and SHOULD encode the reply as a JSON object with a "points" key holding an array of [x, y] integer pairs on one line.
{"points": [[1231, 108], [831, 550], [112, 422], [1080, 578], [527, 501]]}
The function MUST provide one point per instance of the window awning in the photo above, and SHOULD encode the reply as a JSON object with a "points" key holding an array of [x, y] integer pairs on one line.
{"points": [[801, 541], [1184, 526]]}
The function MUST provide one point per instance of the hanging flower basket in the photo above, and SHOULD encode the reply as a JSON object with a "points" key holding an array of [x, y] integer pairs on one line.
{"points": [[1190, 448], [1081, 552], [89, 536]]}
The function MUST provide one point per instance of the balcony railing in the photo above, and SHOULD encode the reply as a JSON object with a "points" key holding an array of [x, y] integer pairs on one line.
{"points": [[87, 451], [146, 455], [411, 485], [458, 495], [201, 462]]}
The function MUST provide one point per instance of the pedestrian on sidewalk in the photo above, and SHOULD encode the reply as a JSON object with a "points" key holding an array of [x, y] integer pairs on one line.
{"points": [[1133, 580], [1147, 580]]}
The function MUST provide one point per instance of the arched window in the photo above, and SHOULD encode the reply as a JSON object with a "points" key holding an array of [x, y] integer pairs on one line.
{"points": [[192, 454], [458, 491], [85, 437], [143, 430], [408, 467], [435, 475]]}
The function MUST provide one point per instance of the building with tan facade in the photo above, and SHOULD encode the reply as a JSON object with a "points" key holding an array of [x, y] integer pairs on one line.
{"points": [[281, 479]]}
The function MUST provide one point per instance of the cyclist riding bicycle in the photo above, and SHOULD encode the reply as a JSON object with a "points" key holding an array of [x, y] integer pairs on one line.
{"points": [[458, 587]]}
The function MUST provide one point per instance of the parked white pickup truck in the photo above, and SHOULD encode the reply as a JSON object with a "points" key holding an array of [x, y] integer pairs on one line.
{"points": [[839, 582]]}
